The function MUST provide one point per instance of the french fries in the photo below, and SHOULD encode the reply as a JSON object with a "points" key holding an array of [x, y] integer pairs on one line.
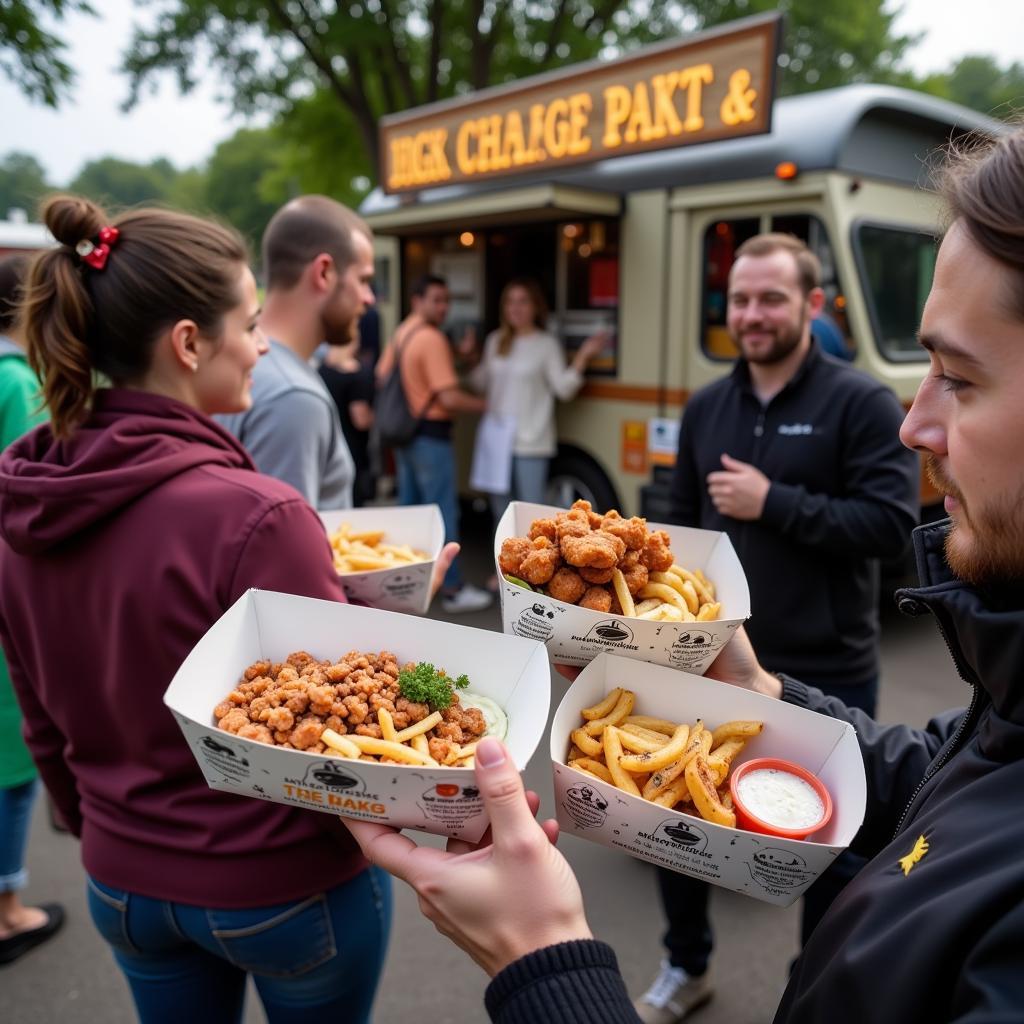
{"points": [[677, 765], [366, 551]]}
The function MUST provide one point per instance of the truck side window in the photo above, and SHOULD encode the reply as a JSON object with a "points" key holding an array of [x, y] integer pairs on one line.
{"points": [[896, 266], [721, 240], [724, 237]]}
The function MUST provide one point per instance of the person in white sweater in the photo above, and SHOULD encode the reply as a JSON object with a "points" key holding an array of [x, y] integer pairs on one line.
{"points": [[522, 371]]}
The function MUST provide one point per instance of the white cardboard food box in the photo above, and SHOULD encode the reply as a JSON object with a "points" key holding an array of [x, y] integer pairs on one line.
{"points": [[575, 636], [768, 868], [264, 624], [406, 588]]}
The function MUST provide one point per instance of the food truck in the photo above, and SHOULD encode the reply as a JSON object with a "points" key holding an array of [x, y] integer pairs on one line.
{"points": [[625, 187], [18, 235]]}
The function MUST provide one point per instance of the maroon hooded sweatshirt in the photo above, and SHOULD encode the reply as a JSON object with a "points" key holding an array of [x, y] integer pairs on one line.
{"points": [[121, 547]]}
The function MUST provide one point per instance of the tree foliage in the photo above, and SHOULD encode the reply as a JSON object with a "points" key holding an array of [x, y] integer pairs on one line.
{"points": [[31, 56], [980, 83], [22, 183], [368, 58], [115, 182]]}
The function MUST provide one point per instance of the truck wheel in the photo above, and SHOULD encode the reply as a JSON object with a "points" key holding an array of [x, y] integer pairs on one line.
{"points": [[574, 474]]}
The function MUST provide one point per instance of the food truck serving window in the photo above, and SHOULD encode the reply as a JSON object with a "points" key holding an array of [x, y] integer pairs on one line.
{"points": [[721, 240], [896, 266]]}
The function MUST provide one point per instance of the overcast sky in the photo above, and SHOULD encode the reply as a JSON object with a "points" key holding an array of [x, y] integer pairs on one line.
{"points": [[185, 129]]}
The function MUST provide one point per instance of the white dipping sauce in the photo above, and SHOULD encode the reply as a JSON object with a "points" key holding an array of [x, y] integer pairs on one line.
{"points": [[780, 798]]}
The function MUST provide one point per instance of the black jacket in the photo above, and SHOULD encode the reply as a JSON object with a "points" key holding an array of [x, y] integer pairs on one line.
{"points": [[934, 935], [844, 494]]}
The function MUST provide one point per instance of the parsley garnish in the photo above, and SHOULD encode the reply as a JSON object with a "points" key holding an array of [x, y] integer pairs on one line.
{"points": [[423, 684]]}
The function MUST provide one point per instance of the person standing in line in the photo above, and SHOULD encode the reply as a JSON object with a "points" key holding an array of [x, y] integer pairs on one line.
{"points": [[129, 523], [522, 371], [348, 376], [21, 928], [318, 262], [426, 465], [796, 457]]}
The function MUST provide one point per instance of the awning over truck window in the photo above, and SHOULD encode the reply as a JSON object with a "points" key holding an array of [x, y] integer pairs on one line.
{"points": [[546, 201]]}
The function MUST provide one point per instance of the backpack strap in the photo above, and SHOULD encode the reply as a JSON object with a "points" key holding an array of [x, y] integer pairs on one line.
{"points": [[400, 345]]}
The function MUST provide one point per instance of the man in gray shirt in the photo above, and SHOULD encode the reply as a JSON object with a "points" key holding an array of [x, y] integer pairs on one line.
{"points": [[318, 264]]}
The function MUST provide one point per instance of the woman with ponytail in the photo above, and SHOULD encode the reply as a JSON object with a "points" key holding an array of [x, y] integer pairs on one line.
{"points": [[128, 524]]}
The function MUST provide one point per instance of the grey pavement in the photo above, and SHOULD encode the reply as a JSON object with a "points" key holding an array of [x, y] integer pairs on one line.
{"points": [[73, 979]]}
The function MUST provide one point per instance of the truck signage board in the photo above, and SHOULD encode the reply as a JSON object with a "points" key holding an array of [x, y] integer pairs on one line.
{"points": [[714, 85]]}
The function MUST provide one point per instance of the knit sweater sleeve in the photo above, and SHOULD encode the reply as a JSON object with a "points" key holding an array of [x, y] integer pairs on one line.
{"points": [[563, 379], [570, 983]]}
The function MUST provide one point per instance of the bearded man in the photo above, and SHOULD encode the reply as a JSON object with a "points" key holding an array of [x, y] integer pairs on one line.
{"points": [[796, 456], [318, 264]]}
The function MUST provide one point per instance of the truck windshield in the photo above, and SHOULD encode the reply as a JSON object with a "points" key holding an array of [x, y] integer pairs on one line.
{"points": [[896, 267]]}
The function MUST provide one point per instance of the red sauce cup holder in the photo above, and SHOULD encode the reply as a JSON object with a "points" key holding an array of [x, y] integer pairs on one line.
{"points": [[746, 820]]}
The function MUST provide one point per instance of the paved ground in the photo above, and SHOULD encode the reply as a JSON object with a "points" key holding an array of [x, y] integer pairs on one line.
{"points": [[73, 979]]}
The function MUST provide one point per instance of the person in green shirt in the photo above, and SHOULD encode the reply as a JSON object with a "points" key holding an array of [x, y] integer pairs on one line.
{"points": [[21, 927]]}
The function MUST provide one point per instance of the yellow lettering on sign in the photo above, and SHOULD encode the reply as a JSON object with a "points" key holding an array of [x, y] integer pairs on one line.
{"points": [[556, 128], [738, 105], [490, 143], [666, 120], [617, 102], [580, 105], [693, 80], [419, 159], [465, 161], [537, 132], [513, 150], [639, 125]]}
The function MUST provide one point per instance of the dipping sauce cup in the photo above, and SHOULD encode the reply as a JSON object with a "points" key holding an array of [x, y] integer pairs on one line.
{"points": [[786, 797]]}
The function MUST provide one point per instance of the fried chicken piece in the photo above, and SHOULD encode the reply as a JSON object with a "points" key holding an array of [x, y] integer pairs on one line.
{"points": [[592, 575], [440, 749], [543, 528], [278, 719], [636, 577], [259, 733], [599, 550], [656, 554], [632, 532], [566, 585], [306, 733], [572, 524], [598, 599], [233, 720], [593, 518], [259, 668], [540, 564], [513, 551]]}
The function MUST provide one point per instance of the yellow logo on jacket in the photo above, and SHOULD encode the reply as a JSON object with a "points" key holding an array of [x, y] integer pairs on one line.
{"points": [[915, 856]]}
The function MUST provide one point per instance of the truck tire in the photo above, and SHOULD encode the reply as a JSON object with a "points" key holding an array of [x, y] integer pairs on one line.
{"points": [[574, 474]]}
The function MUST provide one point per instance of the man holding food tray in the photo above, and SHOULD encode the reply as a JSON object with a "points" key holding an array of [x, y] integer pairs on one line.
{"points": [[318, 261], [933, 927], [796, 456]]}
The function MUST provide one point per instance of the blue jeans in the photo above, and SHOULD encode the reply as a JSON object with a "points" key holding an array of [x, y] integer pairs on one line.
{"points": [[426, 476], [529, 482], [15, 817], [312, 959]]}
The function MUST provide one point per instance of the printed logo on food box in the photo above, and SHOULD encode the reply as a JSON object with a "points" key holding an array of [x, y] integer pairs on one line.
{"points": [[681, 833], [451, 803], [224, 756], [585, 806], [390, 589], [692, 647], [611, 633], [329, 786], [779, 871], [535, 622]]}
